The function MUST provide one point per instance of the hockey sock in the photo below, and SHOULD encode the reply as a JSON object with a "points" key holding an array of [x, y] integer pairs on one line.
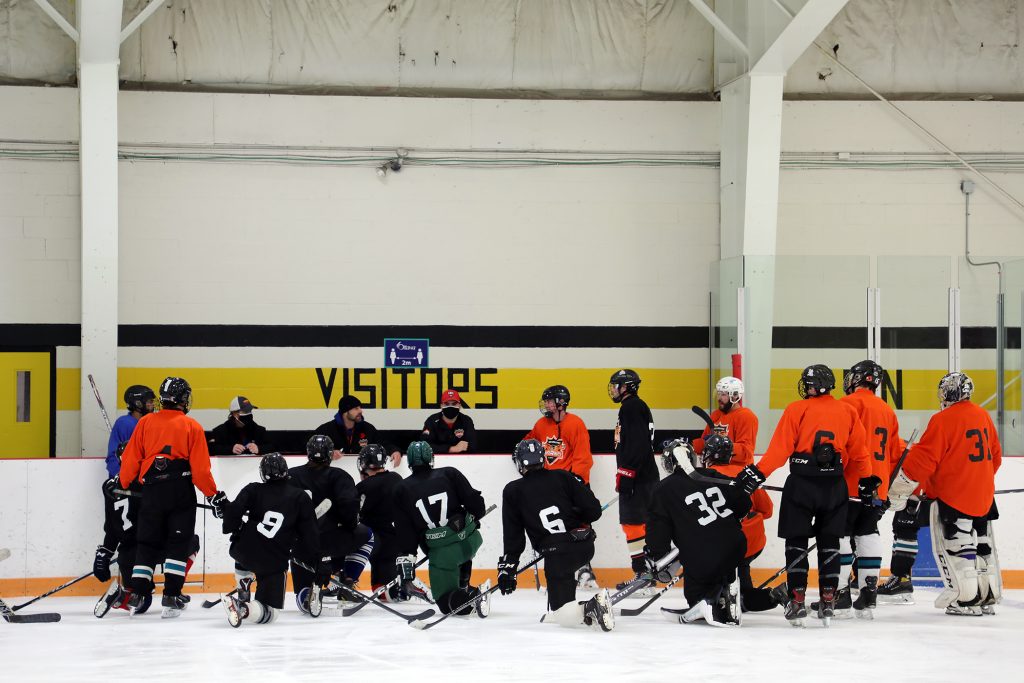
{"points": [[356, 561], [636, 537], [174, 576], [142, 580], [845, 556], [797, 563], [193, 552], [828, 562], [869, 558]]}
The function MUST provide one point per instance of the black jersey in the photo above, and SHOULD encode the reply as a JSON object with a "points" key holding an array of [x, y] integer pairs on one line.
{"points": [[280, 524], [333, 492], [546, 504], [377, 502], [634, 439], [431, 498], [121, 519], [441, 436], [702, 519]]}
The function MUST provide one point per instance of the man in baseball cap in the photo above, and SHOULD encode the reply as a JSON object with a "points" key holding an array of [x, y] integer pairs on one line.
{"points": [[451, 430], [239, 434]]}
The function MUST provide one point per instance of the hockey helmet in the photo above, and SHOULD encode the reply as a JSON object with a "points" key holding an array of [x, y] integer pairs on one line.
{"points": [[671, 450], [528, 454], [732, 387], [557, 393], [137, 396], [816, 380], [955, 387], [371, 456], [420, 454], [176, 392], [866, 373], [320, 449], [717, 450], [273, 467], [623, 379]]}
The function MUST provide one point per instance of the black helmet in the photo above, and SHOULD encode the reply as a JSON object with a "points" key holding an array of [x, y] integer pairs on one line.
{"points": [[320, 449], [528, 454], [557, 393], [623, 378], [816, 377], [175, 391], [273, 467], [717, 450], [136, 396], [371, 455], [866, 373]]}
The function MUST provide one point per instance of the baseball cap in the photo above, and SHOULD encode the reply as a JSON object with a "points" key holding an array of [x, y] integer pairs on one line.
{"points": [[450, 395], [241, 404]]}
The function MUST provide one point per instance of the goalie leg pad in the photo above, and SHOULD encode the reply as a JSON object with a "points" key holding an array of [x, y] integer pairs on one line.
{"points": [[569, 615], [955, 553], [991, 576]]}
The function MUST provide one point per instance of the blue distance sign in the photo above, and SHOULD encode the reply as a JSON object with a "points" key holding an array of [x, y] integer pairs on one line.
{"points": [[406, 353]]}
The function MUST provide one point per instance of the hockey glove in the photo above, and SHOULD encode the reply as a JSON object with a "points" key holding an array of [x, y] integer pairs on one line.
{"points": [[625, 482], [867, 489], [651, 567], [109, 486], [323, 571], [101, 564], [750, 479], [904, 522], [900, 490], [406, 565], [507, 579], [219, 501]]}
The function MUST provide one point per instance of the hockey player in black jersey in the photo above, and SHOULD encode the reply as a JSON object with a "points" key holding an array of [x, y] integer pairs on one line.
{"points": [[555, 509], [269, 523], [336, 505], [703, 519], [439, 509]]}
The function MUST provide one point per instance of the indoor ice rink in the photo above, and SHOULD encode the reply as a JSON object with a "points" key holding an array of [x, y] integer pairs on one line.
{"points": [[297, 204]]}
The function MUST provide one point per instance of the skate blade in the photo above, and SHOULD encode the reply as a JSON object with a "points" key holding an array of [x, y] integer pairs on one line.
{"points": [[896, 600], [796, 623], [170, 613], [826, 622], [866, 614]]}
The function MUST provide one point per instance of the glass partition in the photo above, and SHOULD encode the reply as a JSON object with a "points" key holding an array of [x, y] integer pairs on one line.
{"points": [[726, 280], [1013, 290]]}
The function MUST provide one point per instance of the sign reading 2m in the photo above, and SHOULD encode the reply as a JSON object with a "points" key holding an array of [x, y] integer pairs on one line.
{"points": [[407, 353]]}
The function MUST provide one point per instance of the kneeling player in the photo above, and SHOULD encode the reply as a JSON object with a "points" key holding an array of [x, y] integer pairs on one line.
{"points": [[555, 509], [702, 517], [279, 523], [438, 508]]}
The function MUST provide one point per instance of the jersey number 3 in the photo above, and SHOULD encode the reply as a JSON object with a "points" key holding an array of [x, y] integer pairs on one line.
{"points": [[711, 505]]}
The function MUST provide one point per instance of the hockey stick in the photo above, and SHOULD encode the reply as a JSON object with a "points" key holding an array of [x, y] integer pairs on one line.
{"points": [[611, 502], [409, 618], [903, 456], [96, 393], [9, 616], [349, 611], [702, 414], [136, 494], [57, 589], [630, 612], [536, 570], [422, 625], [644, 579], [1011, 491]]}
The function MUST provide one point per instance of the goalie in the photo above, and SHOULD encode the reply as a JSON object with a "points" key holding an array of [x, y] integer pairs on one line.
{"points": [[958, 456]]}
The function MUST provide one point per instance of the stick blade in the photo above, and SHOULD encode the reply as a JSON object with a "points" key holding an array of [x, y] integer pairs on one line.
{"points": [[44, 618], [418, 624]]}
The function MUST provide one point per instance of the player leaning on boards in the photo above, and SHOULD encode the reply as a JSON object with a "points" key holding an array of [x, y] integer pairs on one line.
{"points": [[820, 438], [732, 420], [958, 455], [269, 523], [167, 453], [636, 472], [438, 508], [555, 509]]}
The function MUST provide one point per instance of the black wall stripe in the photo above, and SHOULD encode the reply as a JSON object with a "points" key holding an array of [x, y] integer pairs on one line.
{"points": [[454, 336]]}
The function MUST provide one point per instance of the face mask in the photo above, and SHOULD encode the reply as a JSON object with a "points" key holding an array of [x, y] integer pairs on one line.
{"points": [[450, 412], [247, 419]]}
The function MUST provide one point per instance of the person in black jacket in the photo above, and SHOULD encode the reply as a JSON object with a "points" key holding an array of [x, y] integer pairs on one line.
{"points": [[555, 509], [451, 430], [279, 524], [703, 517], [345, 542], [239, 434], [350, 432], [636, 472]]}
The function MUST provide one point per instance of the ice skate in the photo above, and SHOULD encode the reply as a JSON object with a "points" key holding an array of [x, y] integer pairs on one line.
{"points": [[964, 610], [237, 609], [796, 609], [645, 591], [173, 606], [864, 605], [598, 611], [585, 578], [483, 605], [843, 608], [113, 595], [897, 590]]}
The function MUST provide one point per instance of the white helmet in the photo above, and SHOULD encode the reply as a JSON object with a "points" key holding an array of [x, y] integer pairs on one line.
{"points": [[732, 387]]}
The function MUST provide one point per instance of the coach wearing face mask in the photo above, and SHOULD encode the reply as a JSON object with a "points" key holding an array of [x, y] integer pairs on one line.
{"points": [[239, 435], [450, 431]]}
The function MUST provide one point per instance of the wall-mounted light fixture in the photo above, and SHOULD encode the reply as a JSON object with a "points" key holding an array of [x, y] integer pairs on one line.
{"points": [[393, 165]]}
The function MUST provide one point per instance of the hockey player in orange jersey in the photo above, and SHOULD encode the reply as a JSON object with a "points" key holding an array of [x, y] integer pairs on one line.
{"points": [[734, 421], [958, 456], [821, 438]]}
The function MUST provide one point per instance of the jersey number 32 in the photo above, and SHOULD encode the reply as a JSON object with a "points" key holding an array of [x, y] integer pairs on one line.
{"points": [[710, 503]]}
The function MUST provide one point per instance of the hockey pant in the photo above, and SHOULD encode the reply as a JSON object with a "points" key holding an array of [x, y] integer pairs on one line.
{"points": [[706, 576], [753, 599], [812, 506], [167, 524], [382, 559], [560, 566], [449, 567]]}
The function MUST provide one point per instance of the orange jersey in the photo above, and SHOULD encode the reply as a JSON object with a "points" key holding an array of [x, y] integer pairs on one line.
{"points": [[566, 444], [171, 429], [740, 425], [882, 431], [958, 456], [761, 509], [818, 419]]}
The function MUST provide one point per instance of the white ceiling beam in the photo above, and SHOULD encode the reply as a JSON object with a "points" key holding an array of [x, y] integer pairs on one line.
{"points": [[58, 19], [99, 25], [798, 35], [720, 26], [146, 13]]}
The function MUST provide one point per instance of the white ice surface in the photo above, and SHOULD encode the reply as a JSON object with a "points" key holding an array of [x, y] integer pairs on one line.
{"points": [[902, 644]]}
